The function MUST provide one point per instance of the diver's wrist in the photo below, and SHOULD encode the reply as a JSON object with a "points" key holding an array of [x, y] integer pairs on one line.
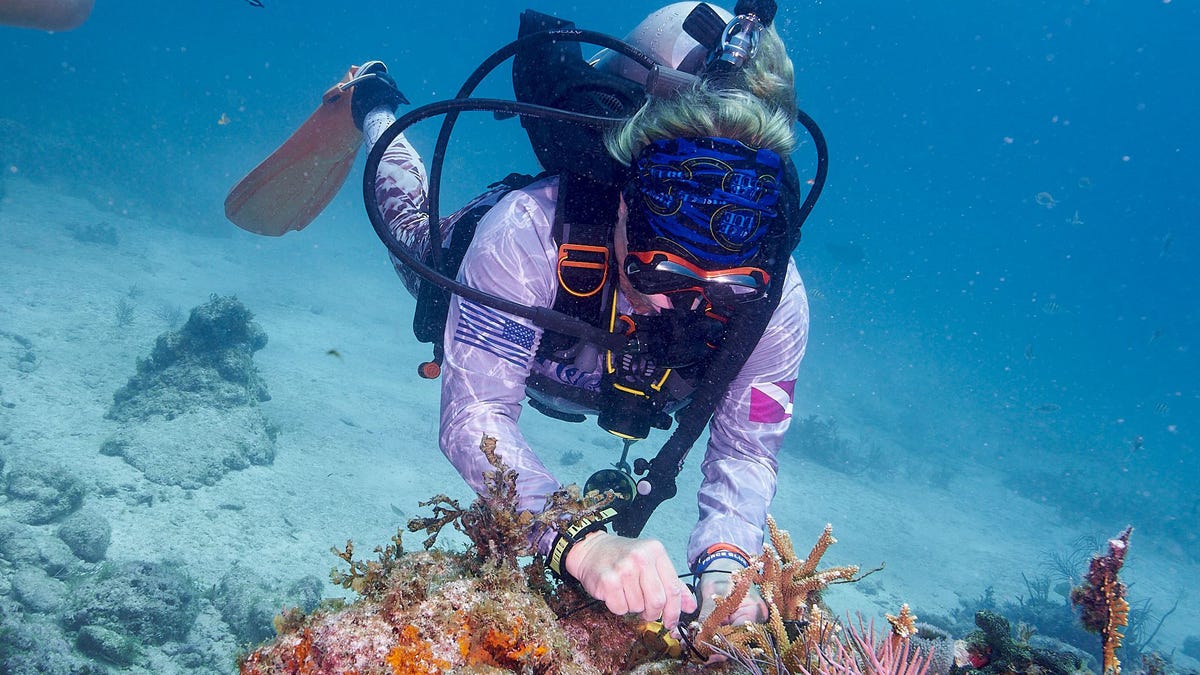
{"points": [[573, 534], [720, 556], [572, 562]]}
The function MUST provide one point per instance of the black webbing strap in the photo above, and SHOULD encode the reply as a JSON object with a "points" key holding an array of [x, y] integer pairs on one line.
{"points": [[584, 219], [658, 484]]}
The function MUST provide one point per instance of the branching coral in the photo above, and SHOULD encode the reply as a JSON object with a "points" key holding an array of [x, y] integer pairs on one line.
{"points": [[904, 624], [1101, 599], [796, 625]]}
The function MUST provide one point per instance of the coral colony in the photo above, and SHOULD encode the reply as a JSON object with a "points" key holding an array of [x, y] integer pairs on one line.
{"points": [[797, 627], [481, 610], [1101, 599]]}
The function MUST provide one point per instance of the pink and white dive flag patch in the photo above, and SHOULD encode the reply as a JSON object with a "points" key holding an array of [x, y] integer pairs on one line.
{"points": [[771, 402]]}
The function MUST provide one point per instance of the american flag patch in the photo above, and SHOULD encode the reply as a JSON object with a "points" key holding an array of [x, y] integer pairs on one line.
{"points": [[495, 333]]}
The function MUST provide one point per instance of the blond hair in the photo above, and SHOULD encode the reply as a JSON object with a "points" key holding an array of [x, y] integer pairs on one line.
{"points": [[756, 106]]}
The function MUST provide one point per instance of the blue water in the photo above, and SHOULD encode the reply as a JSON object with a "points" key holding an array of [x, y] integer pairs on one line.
{"points": [[1002, 264]]}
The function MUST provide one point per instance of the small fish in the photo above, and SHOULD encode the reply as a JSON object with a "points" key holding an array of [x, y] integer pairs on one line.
{"points": [[1048, 408], [1045, 199], [223, 120], [1074, 220], [1158, 332], [255, 3], [1051, 308], [1162, 409], [334, 352], [1029, 352], [1166, 244], [1085, 183]]}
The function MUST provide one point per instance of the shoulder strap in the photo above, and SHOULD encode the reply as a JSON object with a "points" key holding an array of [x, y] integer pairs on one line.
{"points": [[584, 219], [433, 302]]}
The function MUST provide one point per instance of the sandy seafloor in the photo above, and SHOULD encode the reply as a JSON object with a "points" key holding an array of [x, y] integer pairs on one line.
{"points": [[357, 448]]}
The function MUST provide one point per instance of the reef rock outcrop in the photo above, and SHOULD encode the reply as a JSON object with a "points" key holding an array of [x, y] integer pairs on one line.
{"points": [[190, 414]]}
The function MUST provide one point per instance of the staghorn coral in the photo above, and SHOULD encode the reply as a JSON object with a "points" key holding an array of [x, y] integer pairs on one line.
{"points": [[796, 627], [1101, 599], [904, 624]]}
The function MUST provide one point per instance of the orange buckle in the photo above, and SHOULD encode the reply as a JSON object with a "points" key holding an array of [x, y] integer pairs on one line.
{"points": [[585, 267]]}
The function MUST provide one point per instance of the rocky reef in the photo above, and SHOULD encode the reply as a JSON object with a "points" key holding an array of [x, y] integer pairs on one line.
{"points": [[190, 414], [478, 610], [493, 608]]}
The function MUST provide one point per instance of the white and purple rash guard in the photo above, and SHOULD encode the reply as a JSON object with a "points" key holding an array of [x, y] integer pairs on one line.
{"points": [[489, 355]]}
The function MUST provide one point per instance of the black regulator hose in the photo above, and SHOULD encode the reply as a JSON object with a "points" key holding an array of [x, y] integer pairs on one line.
{"points": [[822, 171], [542, 316], [434, 274], [433, 199]]}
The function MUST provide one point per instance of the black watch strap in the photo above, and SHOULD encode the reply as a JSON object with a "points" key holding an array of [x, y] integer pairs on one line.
{"points": [[573, 534]]}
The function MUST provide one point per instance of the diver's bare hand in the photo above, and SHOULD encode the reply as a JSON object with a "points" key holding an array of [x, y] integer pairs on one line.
{"points": [[630, 576]]}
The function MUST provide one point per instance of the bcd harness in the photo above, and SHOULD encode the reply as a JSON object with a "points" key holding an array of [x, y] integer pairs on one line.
{"points": [[565, 104]]}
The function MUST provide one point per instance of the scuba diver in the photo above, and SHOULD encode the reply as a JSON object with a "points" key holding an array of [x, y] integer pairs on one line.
{"points": [[644, 277], [680, 237]]}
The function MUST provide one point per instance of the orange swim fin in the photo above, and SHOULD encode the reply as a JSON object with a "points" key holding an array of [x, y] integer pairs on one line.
{"points": [[296, 182], [52, 15]]}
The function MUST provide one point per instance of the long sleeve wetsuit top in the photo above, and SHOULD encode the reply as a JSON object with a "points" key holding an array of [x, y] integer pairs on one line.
{"points": [[489, 355]]}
